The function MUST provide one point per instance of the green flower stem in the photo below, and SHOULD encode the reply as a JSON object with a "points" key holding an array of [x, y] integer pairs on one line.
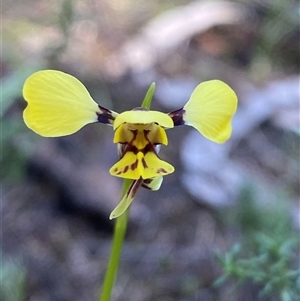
{"points": [[118, 239], [120, 227]]}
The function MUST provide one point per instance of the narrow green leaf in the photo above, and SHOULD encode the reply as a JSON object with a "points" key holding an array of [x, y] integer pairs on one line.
{"points": [[148, 98]]}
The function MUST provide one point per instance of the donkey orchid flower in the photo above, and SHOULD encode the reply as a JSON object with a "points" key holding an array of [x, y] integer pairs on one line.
{"points": [[59, 105]]}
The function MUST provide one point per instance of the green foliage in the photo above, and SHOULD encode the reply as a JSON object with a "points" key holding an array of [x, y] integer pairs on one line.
{"points": [[12, 158], [12, 279], [11, 87], [276, 45], [15, 137], [66, 17], [266, 255]]}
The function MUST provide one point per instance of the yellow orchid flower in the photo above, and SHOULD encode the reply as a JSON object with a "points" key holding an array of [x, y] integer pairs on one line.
{"points": [[59, 105]]}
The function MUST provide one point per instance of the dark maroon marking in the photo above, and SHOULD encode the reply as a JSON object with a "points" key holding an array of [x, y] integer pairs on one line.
{"points": [[134, 187], [148, 181], [126, 168], [105, 116], [134, 132], [144, 163], [134, 165], [161, 170], [118, 173], [131, 148], [177, 116], [116, 169], [148, 148]]}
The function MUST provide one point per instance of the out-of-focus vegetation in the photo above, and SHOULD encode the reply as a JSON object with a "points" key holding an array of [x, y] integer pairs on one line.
{"points": [[14, 134], [56, 194], [267, 253], [13, 280]]}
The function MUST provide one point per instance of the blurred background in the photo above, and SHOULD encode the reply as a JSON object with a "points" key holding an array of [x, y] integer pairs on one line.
{"points": [[225, 225]]}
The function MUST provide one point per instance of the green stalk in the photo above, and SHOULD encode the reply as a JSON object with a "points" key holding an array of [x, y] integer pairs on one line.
{"points": [[118, 239], [120, 228]]}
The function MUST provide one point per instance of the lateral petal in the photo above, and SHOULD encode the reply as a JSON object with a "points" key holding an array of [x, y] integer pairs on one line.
{"points": [[59, 104], [209, 110]]}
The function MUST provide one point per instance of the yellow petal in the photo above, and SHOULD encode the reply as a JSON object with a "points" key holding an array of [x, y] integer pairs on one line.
{"points": [[135, 166], [126, 167], [59, 104], [153, 166], [126, 200], [210, 110], [142, 116], [158, 135]]}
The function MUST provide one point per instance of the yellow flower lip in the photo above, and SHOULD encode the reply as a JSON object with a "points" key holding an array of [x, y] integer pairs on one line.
{"points": [[142, 116]]}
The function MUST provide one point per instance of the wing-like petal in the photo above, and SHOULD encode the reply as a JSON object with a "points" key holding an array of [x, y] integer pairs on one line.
{"points": [[59, 104], [210, 110]]}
